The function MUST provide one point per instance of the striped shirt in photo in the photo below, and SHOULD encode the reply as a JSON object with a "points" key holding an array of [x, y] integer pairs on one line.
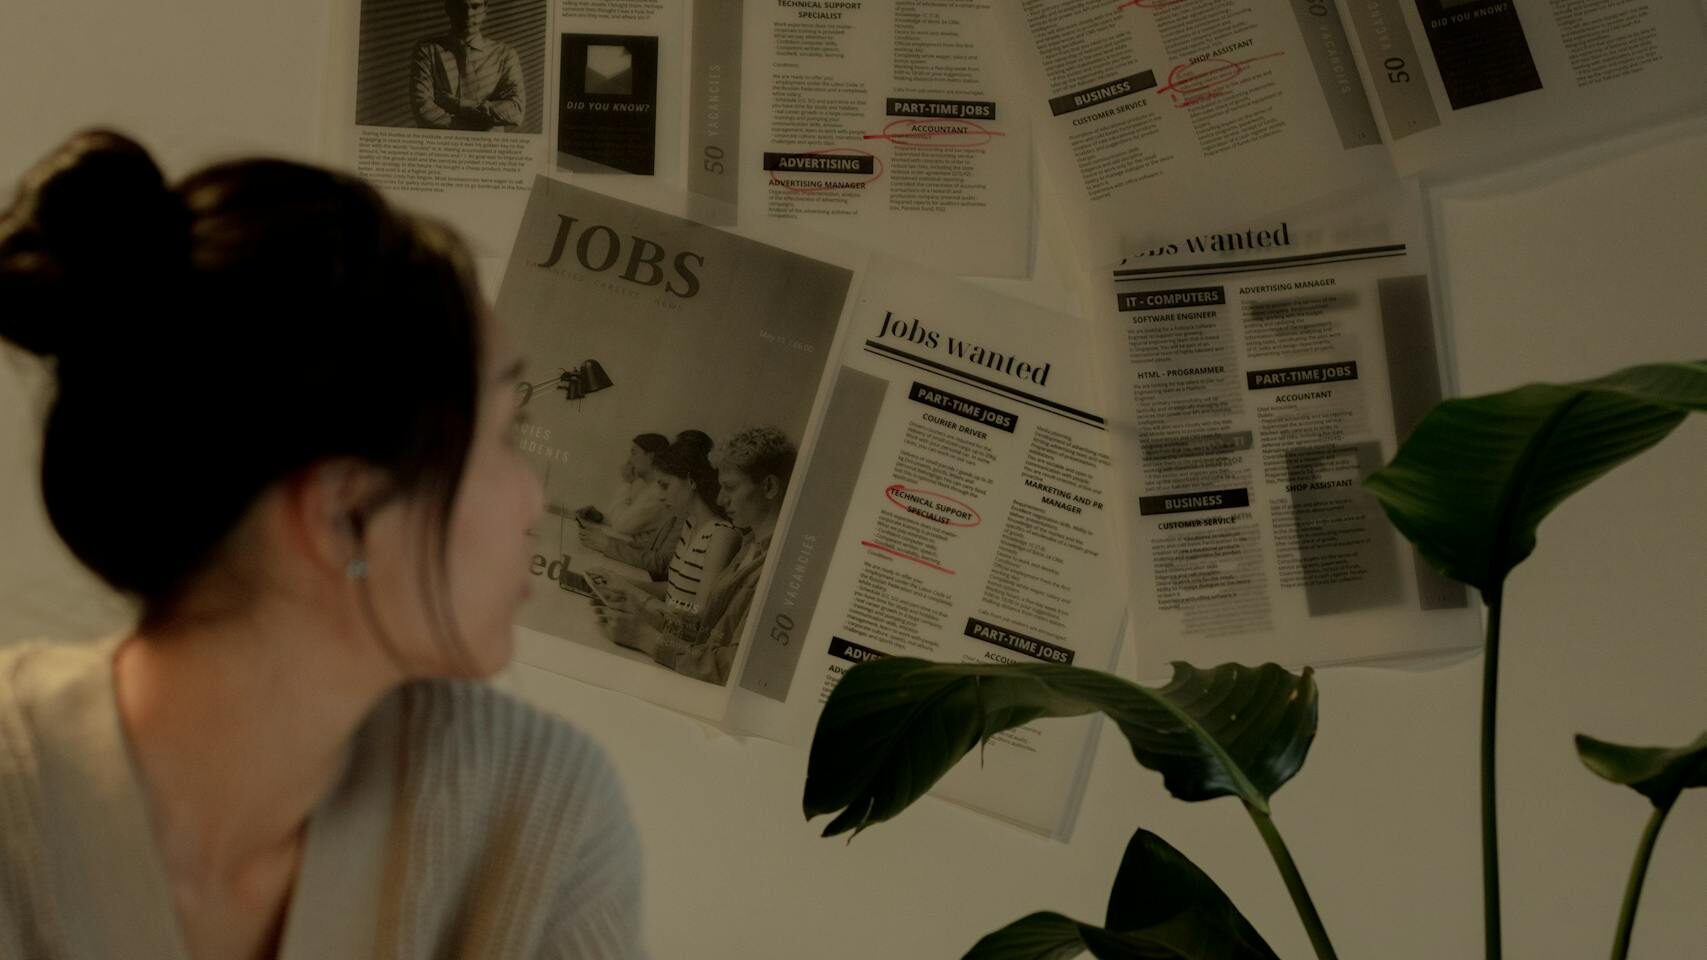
{"points": [[704, 545]]}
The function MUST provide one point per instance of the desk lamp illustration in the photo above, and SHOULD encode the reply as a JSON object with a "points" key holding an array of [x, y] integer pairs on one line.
{"points": [[589, 377]]}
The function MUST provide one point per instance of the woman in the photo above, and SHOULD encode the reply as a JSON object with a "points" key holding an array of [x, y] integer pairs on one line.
{"points": [[687, 488], [653, 547], [632, 507], [753, 476], [286, 754], [635, 510]]}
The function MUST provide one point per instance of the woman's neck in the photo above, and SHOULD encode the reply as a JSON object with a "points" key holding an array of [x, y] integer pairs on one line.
{"points": [[238, 732], [698, 512]]}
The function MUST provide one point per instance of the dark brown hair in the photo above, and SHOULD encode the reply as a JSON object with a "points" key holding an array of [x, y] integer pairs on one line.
{"points": [[213, 338], [686, 459], [652, 443]]}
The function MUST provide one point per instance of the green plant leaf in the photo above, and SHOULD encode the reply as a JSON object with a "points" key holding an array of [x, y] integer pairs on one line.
{"points": [[893, 727], [1162, 906], [1038, 936], [1051, 936], [1160, 894], [1658, 773], [1477, 475]]}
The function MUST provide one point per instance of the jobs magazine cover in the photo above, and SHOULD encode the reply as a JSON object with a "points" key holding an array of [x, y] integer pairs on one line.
{"points": [[651, 343]]}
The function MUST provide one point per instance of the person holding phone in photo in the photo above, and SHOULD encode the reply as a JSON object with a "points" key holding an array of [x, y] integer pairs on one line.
{"points": [[687, 486], [633, 511], [653, 549], [753, 473]]}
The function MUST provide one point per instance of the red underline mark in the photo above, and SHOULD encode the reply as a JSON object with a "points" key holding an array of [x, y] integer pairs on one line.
{"points": [[926, 563], [971, 134], [1193, 83]]}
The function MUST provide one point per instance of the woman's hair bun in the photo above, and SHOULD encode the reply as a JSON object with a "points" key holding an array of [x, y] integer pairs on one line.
{"points": [[88, 221]]}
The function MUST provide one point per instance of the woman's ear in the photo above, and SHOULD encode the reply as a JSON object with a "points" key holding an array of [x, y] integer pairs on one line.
{"points": [[326, 509], [771, 486]]}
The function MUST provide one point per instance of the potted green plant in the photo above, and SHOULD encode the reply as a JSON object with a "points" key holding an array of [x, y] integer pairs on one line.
{"points": [[1469, 487]]}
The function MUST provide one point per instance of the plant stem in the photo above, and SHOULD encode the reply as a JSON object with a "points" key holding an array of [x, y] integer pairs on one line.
{"points": [[1638, 873], [1490, 813], [1294, 883]]}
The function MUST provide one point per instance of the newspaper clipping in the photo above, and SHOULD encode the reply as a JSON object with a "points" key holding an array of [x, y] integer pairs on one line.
{"points": [[955, 510], [1154, 116], [885, 122], [1253, 378], [673, 368]]}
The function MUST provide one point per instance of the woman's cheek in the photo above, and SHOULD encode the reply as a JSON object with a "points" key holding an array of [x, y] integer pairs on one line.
{"points": [[527, 491]]}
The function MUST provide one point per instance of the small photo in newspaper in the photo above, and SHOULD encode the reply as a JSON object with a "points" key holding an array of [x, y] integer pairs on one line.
{"points": [[1480, 50], [467, 65], [608, 104]]}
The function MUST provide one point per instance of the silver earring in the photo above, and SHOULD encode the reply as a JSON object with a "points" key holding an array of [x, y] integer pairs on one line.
{"points": [[357, 568]]}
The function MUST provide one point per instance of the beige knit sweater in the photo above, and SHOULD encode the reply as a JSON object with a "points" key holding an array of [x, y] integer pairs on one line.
{"points": [[465, 825]]}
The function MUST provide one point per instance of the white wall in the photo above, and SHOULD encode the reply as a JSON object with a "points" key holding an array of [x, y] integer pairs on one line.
{"points": [[1563, 272]]}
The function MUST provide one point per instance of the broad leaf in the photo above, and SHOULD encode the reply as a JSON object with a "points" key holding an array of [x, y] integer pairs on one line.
{"points": [[1051, 936], [1162, 906], [893, 727], [1477, 475], [1039, 936], [1158, 889], [1658, 773]]}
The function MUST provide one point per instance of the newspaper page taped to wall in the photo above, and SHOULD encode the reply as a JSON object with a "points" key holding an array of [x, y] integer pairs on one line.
{"points": [[1252, 379], [653, 343], [884, 122], [955, 509], [1156, 116]]}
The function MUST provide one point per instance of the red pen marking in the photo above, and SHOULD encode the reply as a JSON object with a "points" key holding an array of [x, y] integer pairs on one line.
{"points": [[1193, 83], [894, 552], [1149, 4], [935, 507], [876, 171], [967, 135]]}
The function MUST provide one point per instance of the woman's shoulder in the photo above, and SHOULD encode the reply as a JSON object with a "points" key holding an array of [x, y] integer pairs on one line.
{"points": [[23, 666], [442, 702], [50, 693], [474, 754], [38, 659], [38, 670], [523, 806], [720, 531], [477, 730]]}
